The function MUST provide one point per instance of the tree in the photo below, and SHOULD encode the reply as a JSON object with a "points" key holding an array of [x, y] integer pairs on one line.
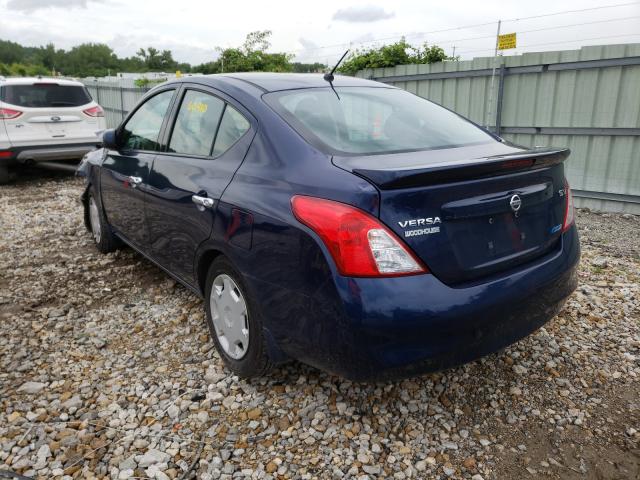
{"points": [[89, 60], [399, 53], [251, 57]]}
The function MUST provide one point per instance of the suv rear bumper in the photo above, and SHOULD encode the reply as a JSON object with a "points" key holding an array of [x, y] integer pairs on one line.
{"points": [[46, 153]]}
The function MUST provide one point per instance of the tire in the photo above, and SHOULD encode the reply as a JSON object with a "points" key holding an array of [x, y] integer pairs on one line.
{"points": [[4, 174], [103, 237], [244, 360]]}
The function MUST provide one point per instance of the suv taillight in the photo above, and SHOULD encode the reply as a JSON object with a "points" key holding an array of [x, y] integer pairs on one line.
{"points": [[94, 111], [360, 245], [9, 113], [569, 214]]}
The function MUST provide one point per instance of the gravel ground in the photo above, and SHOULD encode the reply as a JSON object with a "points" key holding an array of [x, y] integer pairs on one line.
{"points": [[107, 371]]}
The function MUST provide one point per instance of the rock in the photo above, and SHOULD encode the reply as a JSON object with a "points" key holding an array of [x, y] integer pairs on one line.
{"points": [[73, 402], [254, 413], [448, 470], [173, 412], [128, 464], [32, 387], [159, 475], [202, 417], [371, 469], [515, 391], [271, 467], [151, 457], [14, 417]]}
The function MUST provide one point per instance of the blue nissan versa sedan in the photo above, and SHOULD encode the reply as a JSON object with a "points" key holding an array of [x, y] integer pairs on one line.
{"points": [[350, 225]]}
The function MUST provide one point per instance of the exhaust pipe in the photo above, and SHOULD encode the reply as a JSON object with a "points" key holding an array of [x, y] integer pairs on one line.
{"points": [[65, 167]]}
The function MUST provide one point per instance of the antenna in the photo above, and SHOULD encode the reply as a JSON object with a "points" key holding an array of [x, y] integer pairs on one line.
{"points": [[329, 76]]}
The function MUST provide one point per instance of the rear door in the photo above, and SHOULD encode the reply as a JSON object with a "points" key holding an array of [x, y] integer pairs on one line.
{"points": [[205, 146], [51, 114], [125, 172]]}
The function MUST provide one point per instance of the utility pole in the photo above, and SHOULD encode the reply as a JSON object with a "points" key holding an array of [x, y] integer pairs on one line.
{"points": [[454, 53], [493, 76]]}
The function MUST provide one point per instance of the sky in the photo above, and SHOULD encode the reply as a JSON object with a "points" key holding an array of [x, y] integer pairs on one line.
{"points": [[317, 31]]}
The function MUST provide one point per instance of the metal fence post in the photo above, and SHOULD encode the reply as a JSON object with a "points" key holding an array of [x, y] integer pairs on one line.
{"points": [[121, 103], [500, 98]]}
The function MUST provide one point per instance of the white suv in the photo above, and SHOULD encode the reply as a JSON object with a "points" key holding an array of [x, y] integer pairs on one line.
{"points": [[44, 119]]}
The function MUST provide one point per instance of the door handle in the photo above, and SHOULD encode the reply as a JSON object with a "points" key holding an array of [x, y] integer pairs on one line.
{"points": [[203, 202], [135, 181]]}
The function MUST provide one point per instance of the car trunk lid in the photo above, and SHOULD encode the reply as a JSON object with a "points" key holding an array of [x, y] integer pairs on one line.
{"points": [[471, 211]]}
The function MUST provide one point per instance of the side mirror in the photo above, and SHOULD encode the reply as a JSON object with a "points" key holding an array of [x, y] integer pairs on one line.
{"points": [[110, 139]]}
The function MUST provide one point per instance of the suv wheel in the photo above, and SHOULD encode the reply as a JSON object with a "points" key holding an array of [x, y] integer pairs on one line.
{"points": [[234, 321], [100, 229], [4, 174]]}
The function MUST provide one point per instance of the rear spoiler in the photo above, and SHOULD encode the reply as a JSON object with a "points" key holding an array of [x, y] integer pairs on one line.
{"points": [[454, 171]]}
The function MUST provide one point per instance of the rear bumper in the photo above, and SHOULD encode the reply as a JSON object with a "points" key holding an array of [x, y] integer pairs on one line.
{"points": [[399, 327], [46, 153]]}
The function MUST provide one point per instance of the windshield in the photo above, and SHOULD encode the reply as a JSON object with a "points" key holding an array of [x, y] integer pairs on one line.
{"points": [[368, 120], [45, 95]]}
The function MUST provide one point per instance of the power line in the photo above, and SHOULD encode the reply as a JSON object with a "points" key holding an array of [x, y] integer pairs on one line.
{"points": [[564, 12], [543, 29], [571, 11], [560, 42]]}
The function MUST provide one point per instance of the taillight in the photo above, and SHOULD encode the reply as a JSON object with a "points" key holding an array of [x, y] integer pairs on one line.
{"points": [[6, 153], [94, 111], [569, 215], [360, 245], [9, 113]]}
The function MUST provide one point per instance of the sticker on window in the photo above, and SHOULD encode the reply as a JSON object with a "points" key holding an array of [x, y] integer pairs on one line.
{"points": [[198, 107]]}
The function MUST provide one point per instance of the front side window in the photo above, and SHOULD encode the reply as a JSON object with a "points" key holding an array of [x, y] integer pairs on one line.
{"points": [[196, 124], [142, 130], [369, 120]]}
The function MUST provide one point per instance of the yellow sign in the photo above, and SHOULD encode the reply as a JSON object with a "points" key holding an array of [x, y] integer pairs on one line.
{"points": [[178, 74], [506, 41], [198, 107]]}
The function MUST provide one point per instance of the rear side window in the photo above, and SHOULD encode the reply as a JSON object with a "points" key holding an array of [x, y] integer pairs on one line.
{"points": [[232, 127], [143, 128], [369, 120], [45, 95], [196, 124]]}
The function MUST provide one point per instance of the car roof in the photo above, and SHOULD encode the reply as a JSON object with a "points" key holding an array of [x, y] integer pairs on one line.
{"points": [[32, 80], [272, 82]]}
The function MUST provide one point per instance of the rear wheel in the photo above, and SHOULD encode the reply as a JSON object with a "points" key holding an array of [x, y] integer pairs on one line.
{"points": [[100, 230], [234, 321], [4, 174]]}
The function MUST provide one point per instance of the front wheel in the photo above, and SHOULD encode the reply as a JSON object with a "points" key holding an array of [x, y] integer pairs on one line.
{"points": [[100, 230], [234, 321]]}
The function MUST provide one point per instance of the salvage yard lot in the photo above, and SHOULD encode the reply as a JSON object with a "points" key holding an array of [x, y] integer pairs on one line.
{"points": [[107, 371]]}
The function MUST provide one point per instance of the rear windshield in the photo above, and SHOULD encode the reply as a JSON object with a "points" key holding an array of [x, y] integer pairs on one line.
{"points": [[45, 95], [369, 120]]}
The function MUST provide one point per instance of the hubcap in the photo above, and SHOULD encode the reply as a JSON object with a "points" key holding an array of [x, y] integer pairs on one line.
{"points": [[230, 316], [94, 218]]}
